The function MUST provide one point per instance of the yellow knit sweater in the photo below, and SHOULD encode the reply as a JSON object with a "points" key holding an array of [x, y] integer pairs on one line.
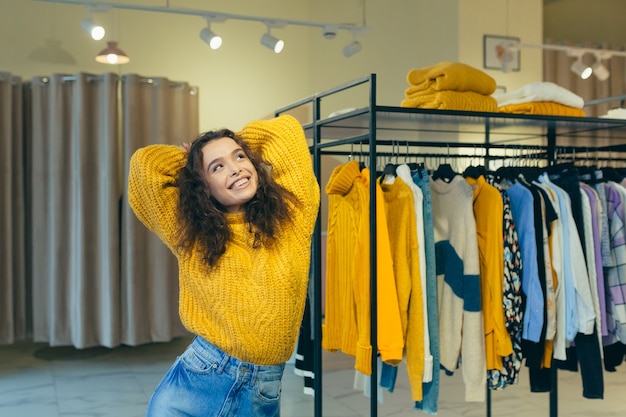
{"points": [[251, 304], [348, 301], [401, 220]]}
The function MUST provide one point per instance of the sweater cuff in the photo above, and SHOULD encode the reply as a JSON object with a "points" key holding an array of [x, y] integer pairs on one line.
{"points": [[363, 362], [392, 357], [475, 393]]}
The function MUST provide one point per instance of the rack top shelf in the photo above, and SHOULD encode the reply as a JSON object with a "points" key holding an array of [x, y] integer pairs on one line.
{"points": [[413, 124]]}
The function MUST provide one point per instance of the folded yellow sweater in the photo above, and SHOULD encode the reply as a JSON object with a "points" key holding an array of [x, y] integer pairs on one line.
{"points": [[450, 76], [452, 100], [546, 108]]}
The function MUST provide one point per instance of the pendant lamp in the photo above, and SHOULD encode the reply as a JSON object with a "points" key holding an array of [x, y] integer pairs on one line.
{"points": [[112, 55]]}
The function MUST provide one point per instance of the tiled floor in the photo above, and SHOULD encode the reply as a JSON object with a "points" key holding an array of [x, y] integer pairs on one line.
{"points": [[36, 381]]}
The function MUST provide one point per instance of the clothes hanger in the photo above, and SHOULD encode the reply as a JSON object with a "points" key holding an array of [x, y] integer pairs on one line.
{"points": [[475, 172], [362, 164], [505, 173], [413, 166], [586, 172], [445, 172], [611, 174], [390, 168]]}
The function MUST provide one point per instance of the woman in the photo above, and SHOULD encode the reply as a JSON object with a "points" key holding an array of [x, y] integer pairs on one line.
{"points": [[238, 211]]}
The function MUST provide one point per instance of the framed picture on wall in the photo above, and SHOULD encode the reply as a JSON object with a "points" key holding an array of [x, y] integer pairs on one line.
{"points": [[498, 54]]}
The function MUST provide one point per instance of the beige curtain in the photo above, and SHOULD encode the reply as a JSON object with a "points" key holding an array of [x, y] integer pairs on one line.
{"points": [[557, 70], [74, 219], [154, 110], [13, 285], [76, 266]]}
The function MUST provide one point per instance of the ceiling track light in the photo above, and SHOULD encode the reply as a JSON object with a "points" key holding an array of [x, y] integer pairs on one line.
{"points": [[579, 68], [599, 69], [271, 42], [210, 38], [353, 47], [93, 29], [329, 30]]}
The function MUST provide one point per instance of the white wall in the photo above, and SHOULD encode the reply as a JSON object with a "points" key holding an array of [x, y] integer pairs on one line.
{"points": [[243, 80], [516, 18]]}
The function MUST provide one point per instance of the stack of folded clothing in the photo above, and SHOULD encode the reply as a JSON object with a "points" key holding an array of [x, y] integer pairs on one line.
{"points": [[450, 86], [617, 113], [543, 98]]}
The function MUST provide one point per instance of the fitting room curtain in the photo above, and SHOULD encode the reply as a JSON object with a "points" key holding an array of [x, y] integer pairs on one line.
{"points": [[154, 110], [13, 286], [98, 276], [74, 221], [557, 70]]}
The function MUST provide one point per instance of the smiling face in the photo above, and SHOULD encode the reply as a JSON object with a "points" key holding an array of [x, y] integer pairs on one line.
{"points": [[229, 174]]}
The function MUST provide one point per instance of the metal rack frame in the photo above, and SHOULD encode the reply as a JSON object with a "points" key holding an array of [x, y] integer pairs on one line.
{"points": [[380, 128]]}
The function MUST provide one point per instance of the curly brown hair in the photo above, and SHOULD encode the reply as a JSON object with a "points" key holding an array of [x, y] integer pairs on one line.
{"points": [[201, 217]]}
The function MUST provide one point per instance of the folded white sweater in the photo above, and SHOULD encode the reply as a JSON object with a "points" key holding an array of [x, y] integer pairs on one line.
{"points": [[617, 113], [540, 91]]}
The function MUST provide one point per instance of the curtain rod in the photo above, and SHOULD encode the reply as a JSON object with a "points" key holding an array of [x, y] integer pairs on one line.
{"points": [[93, 77]]}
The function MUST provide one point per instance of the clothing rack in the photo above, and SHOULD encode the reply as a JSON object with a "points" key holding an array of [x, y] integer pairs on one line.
{"points": [[378, 130]]}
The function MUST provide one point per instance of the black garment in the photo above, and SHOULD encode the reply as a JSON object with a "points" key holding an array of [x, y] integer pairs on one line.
{"points": [[586, 352], [569, 181], [614, 356], [304, 351], [590, 360], [541, 379]]}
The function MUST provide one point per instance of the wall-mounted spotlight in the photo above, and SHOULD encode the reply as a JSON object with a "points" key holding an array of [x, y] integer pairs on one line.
{"points": [[210, 38], [579, 68], [93, 29], [271, 42]]}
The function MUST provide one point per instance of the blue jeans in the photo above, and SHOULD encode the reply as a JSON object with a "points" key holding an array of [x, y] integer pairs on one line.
{"points": [[206, 382]]}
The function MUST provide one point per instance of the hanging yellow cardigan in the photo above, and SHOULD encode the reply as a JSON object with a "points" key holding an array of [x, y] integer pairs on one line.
{"points": [[347, 319], [401, 220]]}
